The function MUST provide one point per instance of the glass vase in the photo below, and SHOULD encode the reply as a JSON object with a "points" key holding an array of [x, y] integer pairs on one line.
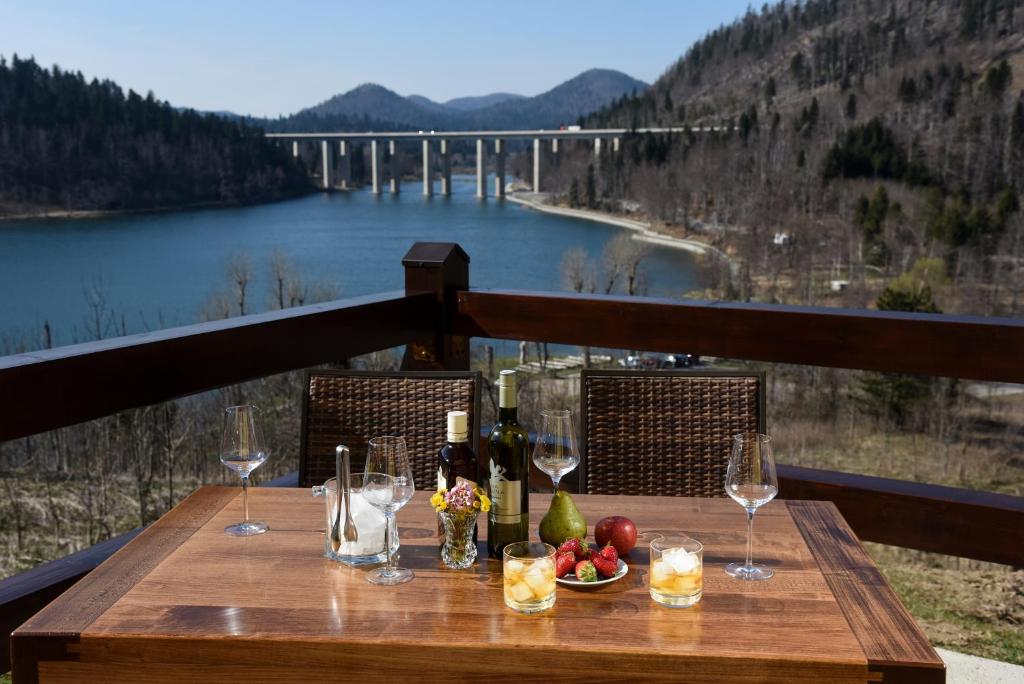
{"points": [[458, 550]]}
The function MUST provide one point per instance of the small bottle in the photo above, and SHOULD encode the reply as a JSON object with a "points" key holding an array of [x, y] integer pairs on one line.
{"points": [[508, 448], [456, 458]]}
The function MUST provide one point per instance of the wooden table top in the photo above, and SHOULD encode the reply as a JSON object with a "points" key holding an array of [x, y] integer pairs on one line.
{"points": [[185, 602]]}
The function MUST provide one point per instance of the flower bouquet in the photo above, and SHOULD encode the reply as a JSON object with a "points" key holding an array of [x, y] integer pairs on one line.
{"points": [[458, 508]]}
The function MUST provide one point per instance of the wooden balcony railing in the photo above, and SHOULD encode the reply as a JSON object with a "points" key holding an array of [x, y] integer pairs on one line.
{"points": [[435, 317]]}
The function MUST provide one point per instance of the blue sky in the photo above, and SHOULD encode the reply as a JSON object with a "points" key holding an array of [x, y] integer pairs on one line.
{"points": [[269, 58]]}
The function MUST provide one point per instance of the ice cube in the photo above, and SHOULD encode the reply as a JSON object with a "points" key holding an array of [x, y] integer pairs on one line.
{"points": [[514, 567], [538, 580], [520, 591], [545, 565], [660, 572], [680, 560]]}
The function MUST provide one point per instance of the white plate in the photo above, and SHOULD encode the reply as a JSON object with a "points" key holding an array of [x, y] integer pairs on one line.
{"points": [[571, 581]]}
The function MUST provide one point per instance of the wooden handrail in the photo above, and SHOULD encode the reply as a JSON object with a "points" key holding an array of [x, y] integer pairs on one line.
{"points": [[969, 347], [52, 388], [959, 522]]}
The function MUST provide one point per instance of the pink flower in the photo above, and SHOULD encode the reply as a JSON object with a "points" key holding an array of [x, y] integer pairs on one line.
{"points": [[459, 498]]}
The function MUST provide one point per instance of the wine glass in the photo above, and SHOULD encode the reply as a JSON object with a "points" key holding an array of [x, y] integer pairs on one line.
{"points": [[557, 451], [243, 450], [751, 482], [388, 485]]}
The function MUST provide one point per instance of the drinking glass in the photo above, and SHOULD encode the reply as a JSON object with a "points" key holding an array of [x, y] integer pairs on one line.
{"points": [[243, 450], [751, 482], [388, 485], [528, 575], [677, 570], [557, 451]]}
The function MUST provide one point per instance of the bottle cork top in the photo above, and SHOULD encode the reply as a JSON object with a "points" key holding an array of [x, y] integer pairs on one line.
{"points": [[458, 422]]}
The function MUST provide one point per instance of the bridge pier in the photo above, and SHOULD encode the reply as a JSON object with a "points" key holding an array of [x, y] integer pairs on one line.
{"points": [[295, 148], [554, 146], [597, 150], [536, 164], [446, 168], [394, 167], [325, 164], [376, 162], [481, 168], [499, 167], [615, 145], [428, 177], [344, 164]]}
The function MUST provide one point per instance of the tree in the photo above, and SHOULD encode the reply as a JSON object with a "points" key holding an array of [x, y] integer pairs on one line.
{"points": [[851, 107], [239, 271], [574, 193], [894, 396], [591, 188]]}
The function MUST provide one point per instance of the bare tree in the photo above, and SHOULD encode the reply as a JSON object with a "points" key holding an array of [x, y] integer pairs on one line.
{"points": [[282, 274], [239, 271], [623, 258], [578, 272]]}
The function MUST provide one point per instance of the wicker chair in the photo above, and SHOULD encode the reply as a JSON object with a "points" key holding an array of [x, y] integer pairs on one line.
{"points": [[664, 432], [351, 407]]}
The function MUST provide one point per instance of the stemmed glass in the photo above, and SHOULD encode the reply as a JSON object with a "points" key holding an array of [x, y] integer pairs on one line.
{"points": [[557, 451], [751, 482], [388, 485], [243, 450]]}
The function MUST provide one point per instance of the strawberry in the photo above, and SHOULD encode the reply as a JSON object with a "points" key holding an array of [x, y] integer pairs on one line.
{"points": [[565, 562], [576, 545], [609, 553], [585, 571], [603, 565]]}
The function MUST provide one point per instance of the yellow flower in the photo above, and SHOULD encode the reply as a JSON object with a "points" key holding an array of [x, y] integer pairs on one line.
{"points": [[485, 503], [437, 501]]}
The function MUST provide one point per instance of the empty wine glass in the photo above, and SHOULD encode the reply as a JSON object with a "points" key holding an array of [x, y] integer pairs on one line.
{"points": [[243, 450], [388, 485], [751, 482], [557, 451]]}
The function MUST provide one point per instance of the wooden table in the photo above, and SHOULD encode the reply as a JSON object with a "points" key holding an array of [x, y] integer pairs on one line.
{"points": [[184, 602]]}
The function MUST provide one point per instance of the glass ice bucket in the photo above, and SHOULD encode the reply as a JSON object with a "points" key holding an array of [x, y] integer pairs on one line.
{"points": [[369, 548]]}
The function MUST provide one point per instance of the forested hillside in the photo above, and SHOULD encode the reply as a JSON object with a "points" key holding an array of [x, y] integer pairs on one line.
{"points": [[68, 144], [861, 137]]}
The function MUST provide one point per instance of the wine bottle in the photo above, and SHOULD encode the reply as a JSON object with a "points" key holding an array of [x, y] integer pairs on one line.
{"points": [[508, 448], [456, 459]]}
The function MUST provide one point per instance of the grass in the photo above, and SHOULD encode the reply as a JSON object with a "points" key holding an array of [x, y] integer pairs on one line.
{"points": [[965, 606]]}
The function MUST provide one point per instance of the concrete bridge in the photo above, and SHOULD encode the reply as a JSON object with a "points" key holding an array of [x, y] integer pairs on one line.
{"points": [[487, 142]]}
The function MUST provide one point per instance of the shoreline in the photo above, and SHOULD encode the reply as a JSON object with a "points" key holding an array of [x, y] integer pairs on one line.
{"points": [[83, 214], [642, 229]]}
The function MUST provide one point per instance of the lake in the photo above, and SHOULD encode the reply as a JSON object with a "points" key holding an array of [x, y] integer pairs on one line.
{"points": [[160, 270]]}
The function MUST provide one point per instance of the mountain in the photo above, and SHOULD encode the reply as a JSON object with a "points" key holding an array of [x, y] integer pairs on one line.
{"points": [[376, 102], [67, 144], [563, 104], [467, 104], [374, 107], [879, 139]]}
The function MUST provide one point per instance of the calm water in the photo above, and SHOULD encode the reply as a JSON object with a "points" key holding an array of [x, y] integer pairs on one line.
{"points": [[159, 270]]}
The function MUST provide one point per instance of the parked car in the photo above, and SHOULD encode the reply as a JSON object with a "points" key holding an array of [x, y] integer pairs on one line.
{"points": [[654, 361], [681, 361]]}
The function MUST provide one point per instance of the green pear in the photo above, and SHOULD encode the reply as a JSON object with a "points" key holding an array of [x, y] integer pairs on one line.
{"points": [[562, 521]]}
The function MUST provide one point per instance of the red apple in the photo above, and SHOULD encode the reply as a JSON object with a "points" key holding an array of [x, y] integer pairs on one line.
{"points": [[617, 530]]}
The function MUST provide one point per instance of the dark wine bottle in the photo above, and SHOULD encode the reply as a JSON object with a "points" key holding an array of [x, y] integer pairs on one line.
{"points": [[508, 448], [456, 459]]}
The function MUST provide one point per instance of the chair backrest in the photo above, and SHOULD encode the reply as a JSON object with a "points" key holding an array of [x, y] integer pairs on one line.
{"points": [[666, 433], [351, 407]]}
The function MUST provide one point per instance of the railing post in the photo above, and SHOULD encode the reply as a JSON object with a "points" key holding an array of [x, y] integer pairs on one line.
{"points": [[441, 268]]}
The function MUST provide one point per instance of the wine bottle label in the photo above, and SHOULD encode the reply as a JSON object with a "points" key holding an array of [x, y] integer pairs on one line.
{"points": [[441, 482], [506, 500]]}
